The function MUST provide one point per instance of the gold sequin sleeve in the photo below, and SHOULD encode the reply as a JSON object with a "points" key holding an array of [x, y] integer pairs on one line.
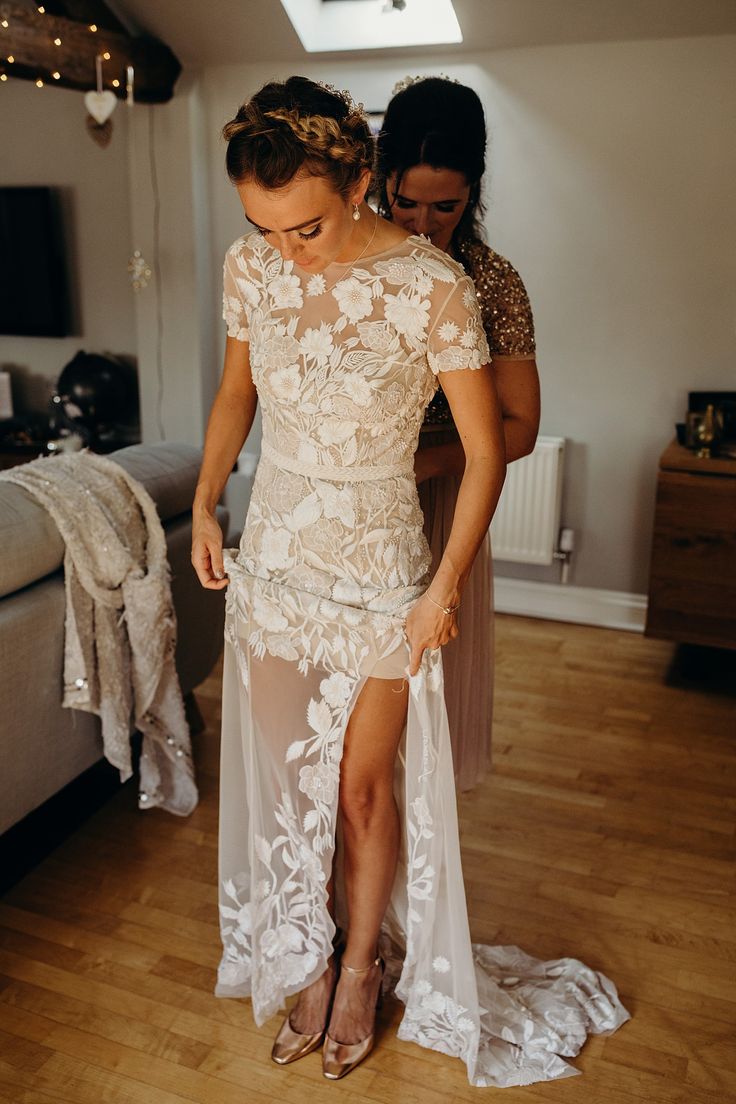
{"points": [[506, 314], [504, 303]]}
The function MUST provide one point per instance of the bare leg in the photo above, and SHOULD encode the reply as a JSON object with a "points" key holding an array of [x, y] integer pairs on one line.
{"points": [[309, 1014], [371, 835]]}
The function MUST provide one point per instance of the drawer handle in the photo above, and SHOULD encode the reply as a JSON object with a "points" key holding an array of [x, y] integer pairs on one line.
{"points": [[708, 539]]}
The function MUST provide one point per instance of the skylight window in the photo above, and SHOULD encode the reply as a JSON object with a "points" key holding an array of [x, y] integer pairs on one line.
{"points": [[324, 25]]}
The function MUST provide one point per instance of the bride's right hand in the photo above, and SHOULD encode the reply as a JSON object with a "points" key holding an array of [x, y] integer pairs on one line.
{"points": [[427, 627], [207, 550]]}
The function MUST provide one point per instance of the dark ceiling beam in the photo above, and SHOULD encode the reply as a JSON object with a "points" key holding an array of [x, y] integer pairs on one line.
{"points": [[85, 11], [29, 40]]}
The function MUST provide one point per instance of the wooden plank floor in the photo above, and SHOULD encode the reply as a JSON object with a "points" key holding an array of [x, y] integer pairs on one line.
{"points": [[606, 831]]}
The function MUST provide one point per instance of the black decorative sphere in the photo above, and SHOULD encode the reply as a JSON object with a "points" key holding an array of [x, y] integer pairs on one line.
{"points": [[97, 393]]}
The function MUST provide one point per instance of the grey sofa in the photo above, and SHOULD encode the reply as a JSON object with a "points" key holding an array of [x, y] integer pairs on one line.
{"points": [[43, 747]]}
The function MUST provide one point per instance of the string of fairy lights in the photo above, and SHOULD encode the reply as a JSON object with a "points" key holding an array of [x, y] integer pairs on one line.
{"points": [[8, 60], [139, 271]]}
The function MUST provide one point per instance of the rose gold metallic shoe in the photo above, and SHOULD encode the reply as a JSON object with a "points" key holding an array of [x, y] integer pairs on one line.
{"points": [[290, 1045], [338, 1059]]}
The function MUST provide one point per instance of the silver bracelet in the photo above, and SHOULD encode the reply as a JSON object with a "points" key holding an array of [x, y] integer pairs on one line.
{"points": [[445, 609]]}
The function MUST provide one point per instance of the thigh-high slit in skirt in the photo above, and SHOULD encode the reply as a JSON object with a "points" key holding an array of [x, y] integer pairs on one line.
{"points": [[295, 663]]}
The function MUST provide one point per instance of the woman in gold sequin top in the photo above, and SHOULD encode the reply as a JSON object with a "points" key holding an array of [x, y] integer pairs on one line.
{"points": [[431, 161]]}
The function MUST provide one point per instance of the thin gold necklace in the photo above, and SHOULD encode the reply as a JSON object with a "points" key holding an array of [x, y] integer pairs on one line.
{"points": [[350, 264]]}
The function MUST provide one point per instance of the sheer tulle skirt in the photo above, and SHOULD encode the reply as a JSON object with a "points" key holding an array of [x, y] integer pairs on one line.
{"points": [[295, 664]]}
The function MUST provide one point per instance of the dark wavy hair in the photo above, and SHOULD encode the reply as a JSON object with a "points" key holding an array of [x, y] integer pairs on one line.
{"points": [[436, 122], [294, 124]]}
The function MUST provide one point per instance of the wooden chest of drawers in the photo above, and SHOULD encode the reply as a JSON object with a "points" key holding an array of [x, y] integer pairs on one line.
{"points": [[692, 580]]}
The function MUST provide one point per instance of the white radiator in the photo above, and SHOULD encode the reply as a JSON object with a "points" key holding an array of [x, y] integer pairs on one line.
{"points": [[527, 521]]}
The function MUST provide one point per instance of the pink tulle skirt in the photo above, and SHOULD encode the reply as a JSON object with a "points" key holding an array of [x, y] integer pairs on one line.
{"points": [[468, 659]]}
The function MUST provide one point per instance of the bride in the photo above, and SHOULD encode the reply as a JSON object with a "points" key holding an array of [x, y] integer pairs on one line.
{"points": [[340, 867]]}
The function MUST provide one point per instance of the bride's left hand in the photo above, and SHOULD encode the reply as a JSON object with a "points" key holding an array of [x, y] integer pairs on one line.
{"points": [[427, 627]]}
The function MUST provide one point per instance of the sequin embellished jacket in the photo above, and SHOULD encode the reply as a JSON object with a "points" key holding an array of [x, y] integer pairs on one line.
{"points": [[505, 310], [120, 630]]}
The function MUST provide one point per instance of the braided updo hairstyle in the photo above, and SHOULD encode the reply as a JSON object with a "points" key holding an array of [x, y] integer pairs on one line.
{"points": [[298, 124], [438, 122]]}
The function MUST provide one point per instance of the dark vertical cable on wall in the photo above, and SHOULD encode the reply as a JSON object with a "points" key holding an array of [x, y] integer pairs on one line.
{"points": [[157, 274]]}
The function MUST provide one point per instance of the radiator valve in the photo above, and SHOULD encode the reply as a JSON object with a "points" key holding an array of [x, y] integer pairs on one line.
{"points": [[566, 547]]}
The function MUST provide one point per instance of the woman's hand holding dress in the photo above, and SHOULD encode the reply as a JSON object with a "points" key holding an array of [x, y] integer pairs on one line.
{"points": [[428, 627]]}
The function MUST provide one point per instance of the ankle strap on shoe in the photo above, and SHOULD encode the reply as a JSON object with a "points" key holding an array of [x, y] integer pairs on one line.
{"points": [[352, 970]]}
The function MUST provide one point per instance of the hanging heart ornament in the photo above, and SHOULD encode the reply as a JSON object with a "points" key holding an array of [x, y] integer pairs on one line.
{"points": [[100, 105]]}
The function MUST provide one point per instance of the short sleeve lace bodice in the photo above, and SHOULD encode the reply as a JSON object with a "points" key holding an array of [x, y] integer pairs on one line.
{"points": [[346, 361]]}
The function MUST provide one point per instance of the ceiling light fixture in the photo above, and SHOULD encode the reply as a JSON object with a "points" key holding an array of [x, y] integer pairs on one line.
{"points": [[341, 25]]}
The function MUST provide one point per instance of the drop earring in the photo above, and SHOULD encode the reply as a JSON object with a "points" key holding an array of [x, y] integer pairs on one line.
{"points": [[356, 212]]}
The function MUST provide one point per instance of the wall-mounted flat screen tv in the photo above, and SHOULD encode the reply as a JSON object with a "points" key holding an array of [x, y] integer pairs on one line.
{"points": [[34, 286]]}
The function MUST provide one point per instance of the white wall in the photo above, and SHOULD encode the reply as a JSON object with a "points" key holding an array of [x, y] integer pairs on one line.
{"points": [[170, 215], [614, 193], [611, 183], [611, 172], [44, 141]]}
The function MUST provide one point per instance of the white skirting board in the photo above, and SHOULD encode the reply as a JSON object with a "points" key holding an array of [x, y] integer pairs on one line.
{"points": [[609, 609]]}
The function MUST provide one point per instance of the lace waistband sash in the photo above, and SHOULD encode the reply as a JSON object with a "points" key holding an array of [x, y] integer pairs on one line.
{"points": [[353, 474]]}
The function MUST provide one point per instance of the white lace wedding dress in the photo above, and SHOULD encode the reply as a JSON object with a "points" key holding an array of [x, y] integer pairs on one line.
{"points": [[331, 560]]}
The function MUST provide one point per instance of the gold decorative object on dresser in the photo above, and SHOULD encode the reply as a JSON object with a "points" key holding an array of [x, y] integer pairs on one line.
{"points": [[692, 579]]}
